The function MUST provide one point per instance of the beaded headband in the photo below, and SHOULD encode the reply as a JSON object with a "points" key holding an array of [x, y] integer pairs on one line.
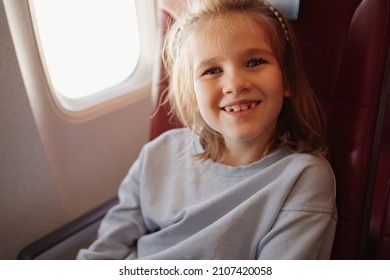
{"points": [[289, 8], [279, 17]]}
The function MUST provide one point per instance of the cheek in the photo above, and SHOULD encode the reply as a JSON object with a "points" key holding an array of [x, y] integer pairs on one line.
{"points": [[273, 85], [204, 96], [203, 106], [207, 104], [278, 99], [199, 99]]}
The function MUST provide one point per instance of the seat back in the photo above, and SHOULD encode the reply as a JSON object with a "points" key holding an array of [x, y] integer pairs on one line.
{"points": [[347, 43], [346, 47], [162, 121], [379, 230]]}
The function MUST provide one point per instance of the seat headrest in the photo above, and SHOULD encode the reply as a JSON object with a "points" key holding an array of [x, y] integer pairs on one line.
{"points": [[290, 8]]}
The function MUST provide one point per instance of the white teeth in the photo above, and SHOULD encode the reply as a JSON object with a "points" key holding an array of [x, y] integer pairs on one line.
{"points": [[244, 107], [238, 108]]}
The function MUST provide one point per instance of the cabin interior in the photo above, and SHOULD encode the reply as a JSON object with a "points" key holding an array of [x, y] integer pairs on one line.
{"points": [[60, 169]]}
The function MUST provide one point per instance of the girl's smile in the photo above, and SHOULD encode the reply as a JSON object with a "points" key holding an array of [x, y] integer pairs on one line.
{"points": [[238, 85], [240, 107]]}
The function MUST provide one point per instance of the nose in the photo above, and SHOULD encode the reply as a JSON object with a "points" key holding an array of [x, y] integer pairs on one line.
{"points": [[235, 83]]}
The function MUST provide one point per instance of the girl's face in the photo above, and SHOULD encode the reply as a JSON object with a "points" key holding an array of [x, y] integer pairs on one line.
{"points": [[238, 83]]}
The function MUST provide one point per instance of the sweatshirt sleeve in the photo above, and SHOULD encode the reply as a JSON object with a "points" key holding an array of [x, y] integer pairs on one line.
{"points": [[306, 223], [122, 225]]}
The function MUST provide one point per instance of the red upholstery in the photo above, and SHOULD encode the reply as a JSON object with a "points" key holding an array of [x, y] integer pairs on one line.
{"points": [[346, 44], [379, 234], [161, 120]]}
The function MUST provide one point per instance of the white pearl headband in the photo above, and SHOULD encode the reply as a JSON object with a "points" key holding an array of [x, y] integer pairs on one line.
{"points": [[289, 8], [279, 17]]}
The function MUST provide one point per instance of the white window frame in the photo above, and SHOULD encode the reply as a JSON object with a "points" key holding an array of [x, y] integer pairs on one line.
{"points": [[141, 76]]}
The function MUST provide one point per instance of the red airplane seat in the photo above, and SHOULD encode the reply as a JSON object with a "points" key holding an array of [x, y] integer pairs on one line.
{"points": [[346, 44], [379, 231], [349, 51], [162, 119]]}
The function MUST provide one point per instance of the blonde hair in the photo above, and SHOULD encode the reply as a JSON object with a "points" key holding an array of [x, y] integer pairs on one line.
{"points": [[300, 124]]}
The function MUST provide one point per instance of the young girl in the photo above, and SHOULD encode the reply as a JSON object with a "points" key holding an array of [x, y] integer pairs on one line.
{"points": [[247, 176]]}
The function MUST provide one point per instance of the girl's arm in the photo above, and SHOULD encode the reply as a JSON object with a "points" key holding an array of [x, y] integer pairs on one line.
{"points": [[300, 235], [122, 226], [306, 224]]}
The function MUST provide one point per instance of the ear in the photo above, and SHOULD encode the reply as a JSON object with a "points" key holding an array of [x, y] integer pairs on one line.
{"points": [[287, 92]]}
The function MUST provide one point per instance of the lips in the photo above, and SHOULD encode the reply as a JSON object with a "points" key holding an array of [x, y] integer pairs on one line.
{"points": [[242, 106]]}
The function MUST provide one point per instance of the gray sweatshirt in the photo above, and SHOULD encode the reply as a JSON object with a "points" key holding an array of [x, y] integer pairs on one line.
{"points": [[173, 206]]}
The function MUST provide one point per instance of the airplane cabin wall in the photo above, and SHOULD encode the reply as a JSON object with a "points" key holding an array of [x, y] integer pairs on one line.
{"points": [[24, 172], [55, 165]]}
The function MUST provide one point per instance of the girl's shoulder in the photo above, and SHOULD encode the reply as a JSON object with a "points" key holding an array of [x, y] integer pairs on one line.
{"points": [[312, 170], [173, 135], [172, 142], [313, 163], [314, 184]]}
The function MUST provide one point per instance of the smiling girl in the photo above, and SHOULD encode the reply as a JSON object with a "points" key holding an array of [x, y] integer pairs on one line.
{"points": [[247, 177]]}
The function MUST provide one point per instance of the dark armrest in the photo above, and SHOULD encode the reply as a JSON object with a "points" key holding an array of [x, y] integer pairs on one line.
{"points": [[70, 235]]}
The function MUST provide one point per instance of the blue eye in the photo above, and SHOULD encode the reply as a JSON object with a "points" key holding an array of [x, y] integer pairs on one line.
{"points": [[253, 62], [212, 71]]}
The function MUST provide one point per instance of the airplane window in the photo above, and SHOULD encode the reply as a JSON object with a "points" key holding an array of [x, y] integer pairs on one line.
{"points": [[88, 47]]}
